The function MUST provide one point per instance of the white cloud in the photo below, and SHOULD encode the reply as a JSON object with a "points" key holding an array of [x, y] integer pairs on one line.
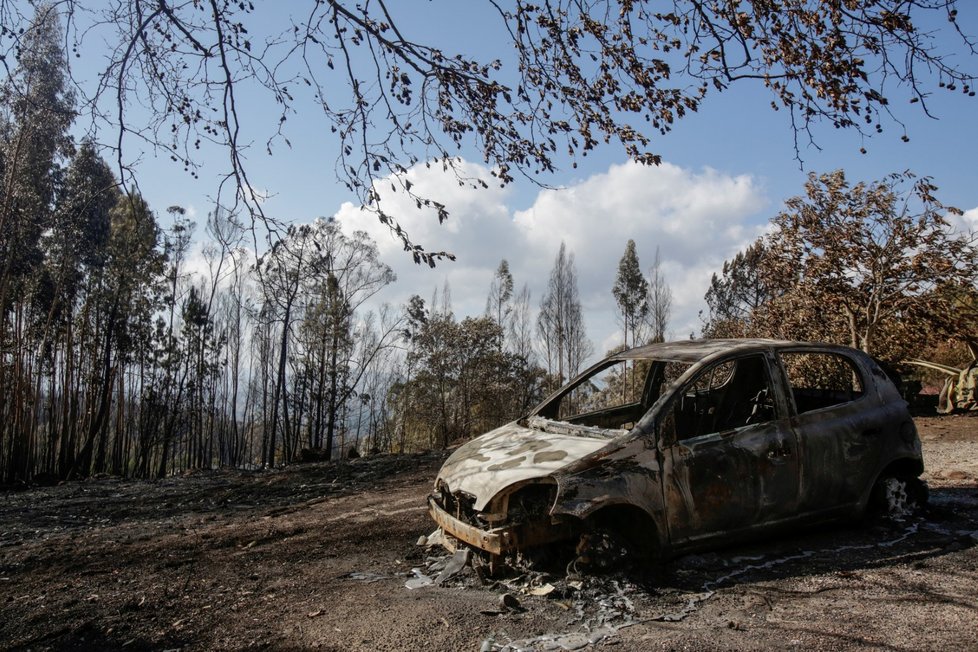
{"points": [[697, 219], [477, 231], [967, 222]]}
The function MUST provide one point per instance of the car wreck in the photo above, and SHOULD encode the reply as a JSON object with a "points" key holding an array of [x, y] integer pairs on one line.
{"points": [[676, 447]]}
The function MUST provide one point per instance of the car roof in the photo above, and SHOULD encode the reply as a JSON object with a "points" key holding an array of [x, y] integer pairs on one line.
{"points": [[691, 351]]}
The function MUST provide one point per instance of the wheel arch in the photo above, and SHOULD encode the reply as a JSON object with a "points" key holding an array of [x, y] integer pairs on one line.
{"points": [[910, 467], [903, 467], [637, 526]]}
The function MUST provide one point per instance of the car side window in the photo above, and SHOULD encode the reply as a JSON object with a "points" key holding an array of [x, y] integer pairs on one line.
{"points": [[819, 380], [725, 396]]}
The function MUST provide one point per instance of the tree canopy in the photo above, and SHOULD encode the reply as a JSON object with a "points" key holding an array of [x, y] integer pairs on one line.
{"points": [[574, 75], [874, 265]]}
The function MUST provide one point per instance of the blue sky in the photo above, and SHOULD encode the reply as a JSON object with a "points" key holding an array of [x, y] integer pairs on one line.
{"points": [[727, 170]]}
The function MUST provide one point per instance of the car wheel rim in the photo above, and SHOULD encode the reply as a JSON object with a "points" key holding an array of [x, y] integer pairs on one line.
{"points": [[897, 501]]}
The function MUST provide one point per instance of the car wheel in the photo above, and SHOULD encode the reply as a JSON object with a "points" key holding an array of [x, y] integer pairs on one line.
{"points": [[898, 497], [602, 550]]}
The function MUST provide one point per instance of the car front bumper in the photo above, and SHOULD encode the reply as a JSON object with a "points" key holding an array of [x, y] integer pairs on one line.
{"points": [[500, 540]]}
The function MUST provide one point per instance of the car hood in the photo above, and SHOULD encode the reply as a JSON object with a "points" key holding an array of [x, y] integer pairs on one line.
{"points": [[488, 464]]}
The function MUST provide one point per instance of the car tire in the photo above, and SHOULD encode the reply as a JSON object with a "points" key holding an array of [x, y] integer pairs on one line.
{"points": [[899, 497]]}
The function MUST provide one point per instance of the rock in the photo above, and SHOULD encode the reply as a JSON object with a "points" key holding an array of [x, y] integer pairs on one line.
{"points": [[509, 601]]}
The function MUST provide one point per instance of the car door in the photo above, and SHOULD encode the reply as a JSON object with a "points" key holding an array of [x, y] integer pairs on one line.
{"points": [[838, 426], [730, 458]]}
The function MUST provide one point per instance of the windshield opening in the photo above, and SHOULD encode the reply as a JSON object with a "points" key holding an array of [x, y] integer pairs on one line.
{"points": [[614, 395]]}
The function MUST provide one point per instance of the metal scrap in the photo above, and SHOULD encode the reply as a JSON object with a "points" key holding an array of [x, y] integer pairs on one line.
{"points": [[603, 607], [420, 580], [455, 564]]}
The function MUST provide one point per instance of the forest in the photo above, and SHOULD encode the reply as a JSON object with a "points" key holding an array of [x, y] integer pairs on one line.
{"points": [[118, 360], [115, 358]]}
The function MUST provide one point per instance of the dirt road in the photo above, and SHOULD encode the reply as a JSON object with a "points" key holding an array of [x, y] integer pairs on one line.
{"points": [[317, 557]]}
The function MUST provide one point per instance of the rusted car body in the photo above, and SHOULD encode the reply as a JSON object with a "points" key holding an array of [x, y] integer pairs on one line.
{"points": [[687, 445]]}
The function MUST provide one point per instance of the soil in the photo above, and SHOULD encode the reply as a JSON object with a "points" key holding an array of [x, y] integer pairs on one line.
{"points": [[318, 556]]}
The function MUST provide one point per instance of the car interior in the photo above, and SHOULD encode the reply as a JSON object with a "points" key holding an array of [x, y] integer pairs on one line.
{"points": [[727, 396]]}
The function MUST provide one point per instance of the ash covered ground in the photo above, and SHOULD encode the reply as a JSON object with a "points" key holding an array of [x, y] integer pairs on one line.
{"points": [[320, 556]]}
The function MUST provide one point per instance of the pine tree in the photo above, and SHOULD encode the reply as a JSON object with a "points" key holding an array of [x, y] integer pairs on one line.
{"points": [[631, 293], [498, 305]]}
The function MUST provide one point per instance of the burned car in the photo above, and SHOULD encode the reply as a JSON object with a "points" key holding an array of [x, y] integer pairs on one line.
{"points": [[687, 445]]}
